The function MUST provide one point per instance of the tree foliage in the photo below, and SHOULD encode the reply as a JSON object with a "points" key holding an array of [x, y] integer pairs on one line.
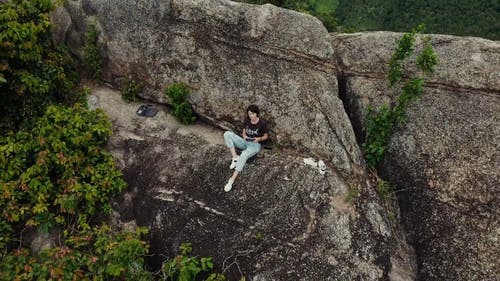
{"points": [[459, 17], [33, 73], [99, 253], [56, 172]]}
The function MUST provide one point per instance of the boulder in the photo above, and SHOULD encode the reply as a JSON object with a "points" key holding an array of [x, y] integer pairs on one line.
{"points": [[283, 220], [468, 63], [230, 55], [445, 159]]}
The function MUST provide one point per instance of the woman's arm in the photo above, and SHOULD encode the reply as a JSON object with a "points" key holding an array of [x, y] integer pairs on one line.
{"points": [[244, 134], [263, 138]]}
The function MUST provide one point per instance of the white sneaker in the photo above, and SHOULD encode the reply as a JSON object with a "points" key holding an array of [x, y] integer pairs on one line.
{"points": [[228, 185], [321, 167], [233, 163]]}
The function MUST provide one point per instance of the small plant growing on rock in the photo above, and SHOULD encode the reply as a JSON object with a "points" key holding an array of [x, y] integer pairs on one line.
{"points": [[185, 268], [92, 60], [177, 93], [384, 190], [130, 90], [380, 124]]}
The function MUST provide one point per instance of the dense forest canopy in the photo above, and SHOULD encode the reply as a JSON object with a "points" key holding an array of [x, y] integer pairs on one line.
{"points": [[479, 18]]}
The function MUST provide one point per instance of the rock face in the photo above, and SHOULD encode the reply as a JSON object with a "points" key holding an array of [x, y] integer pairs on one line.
{"points": [[446, 158], [231, 55], [309, 228]]}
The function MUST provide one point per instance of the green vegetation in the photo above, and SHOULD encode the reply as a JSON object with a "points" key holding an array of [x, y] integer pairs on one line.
{"points": [[184, 267], [93, 254], [55, 176], [381, 123], [56, 169], [92, 60], [33, 72], [459, 17], [177, 93], [384, 190], [130, 91]]}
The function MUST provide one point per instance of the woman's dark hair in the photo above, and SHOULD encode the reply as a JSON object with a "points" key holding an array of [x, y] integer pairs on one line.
{"points": [[253, 108]]}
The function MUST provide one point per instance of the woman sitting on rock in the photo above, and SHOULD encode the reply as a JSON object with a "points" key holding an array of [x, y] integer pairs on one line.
{"points": [[254, 131]]}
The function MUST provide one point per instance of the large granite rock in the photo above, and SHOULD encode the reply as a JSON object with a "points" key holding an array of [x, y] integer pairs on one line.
{"points": [[446, 158], [309, 228], [234, 54], [464, 62], [231, 55]]}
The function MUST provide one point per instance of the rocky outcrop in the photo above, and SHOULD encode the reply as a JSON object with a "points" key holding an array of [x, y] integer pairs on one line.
{"points": [[283, 220], [446, 158], [231, 55]]}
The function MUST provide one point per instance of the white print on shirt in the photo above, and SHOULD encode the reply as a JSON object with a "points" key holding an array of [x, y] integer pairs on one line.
{"points": [[251, 132]]}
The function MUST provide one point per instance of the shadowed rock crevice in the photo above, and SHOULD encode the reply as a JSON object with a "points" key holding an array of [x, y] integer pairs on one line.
{"points": [[351, 108]]}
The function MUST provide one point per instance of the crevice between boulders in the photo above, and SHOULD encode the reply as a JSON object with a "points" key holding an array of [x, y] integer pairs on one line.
{"points": [[349, 103]]}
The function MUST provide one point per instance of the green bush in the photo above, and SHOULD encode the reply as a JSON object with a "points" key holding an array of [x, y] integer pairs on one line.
{"points": [[92, 60], [56, 171], [33, 72], [130, 91], [185, 268], [94, 254], [177, 93]]}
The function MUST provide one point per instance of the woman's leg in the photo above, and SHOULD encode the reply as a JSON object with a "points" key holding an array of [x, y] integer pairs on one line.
{"points": [[251, 150], [232, 140]]}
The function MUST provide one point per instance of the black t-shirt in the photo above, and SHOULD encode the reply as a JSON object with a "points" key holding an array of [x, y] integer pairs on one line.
{"points": [[256, 130]]}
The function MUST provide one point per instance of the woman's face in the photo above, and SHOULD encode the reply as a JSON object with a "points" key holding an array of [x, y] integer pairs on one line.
{"points": [[252, 115]]}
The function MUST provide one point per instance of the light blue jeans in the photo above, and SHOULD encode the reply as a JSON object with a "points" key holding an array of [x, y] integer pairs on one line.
{"points": [[249, 148]]}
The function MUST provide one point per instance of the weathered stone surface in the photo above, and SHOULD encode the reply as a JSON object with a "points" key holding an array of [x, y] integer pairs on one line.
{"points": [[309, 231], [446, 158], [231, 55], [464, 62]]}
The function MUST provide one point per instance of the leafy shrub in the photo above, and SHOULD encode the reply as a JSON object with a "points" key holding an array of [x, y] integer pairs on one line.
{"points": [[93, 254], [56, 171], [381, 123], [92, 60], [186, 268], [130, 91], [183, 111], [33, 72]]}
